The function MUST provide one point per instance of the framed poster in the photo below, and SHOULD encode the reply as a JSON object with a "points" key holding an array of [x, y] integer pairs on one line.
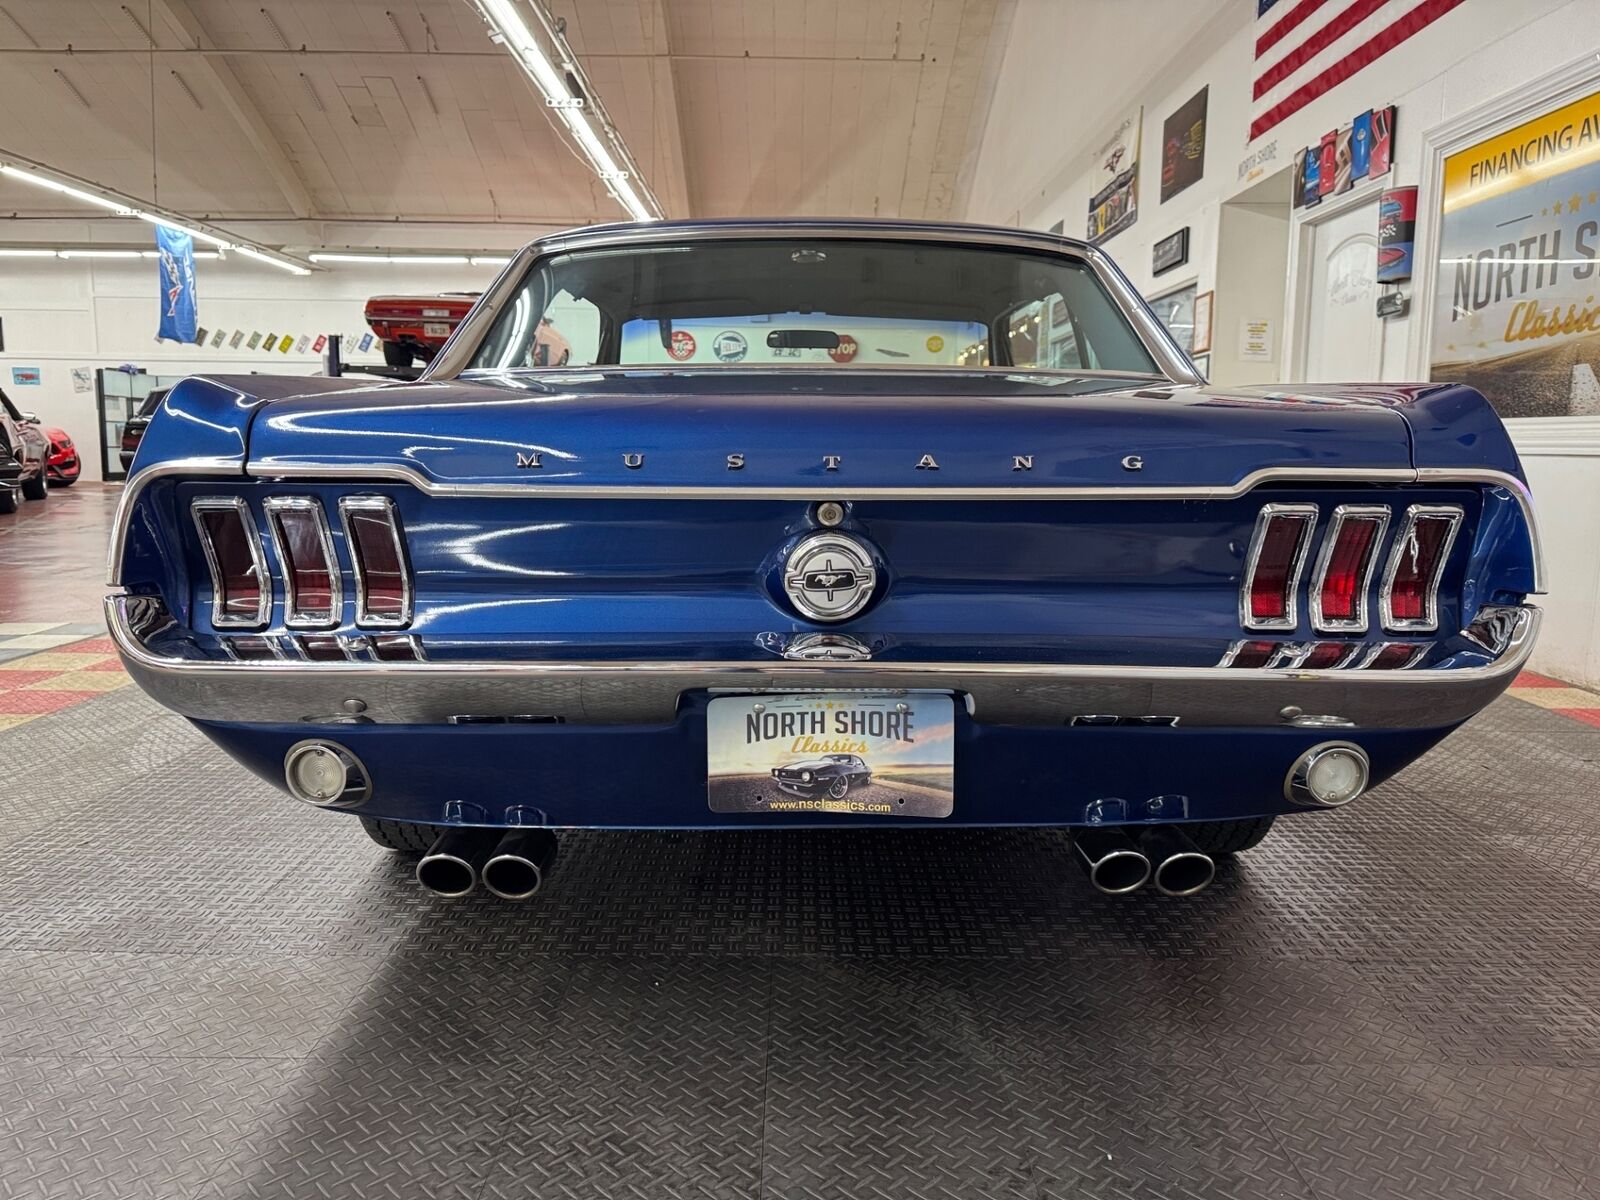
{"points": [[1183, 146], [1202, 322], [1115, 203], [1515, 312], [1175, 310]]}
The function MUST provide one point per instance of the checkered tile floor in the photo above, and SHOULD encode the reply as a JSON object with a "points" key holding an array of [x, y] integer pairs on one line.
{"points": [[45, 668]]}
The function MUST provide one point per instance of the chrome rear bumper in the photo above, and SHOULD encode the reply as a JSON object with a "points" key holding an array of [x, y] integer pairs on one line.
{"points": [[626, 693]]}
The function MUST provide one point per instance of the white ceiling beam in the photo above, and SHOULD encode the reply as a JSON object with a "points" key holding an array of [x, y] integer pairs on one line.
{"points": [[178, 15]]}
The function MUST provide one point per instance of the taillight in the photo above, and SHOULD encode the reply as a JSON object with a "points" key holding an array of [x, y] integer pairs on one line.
{"points": [[1411, 581], [1392, 656], [1249, 654], [1274, 565], [378, 553], [312, 595], [241, 595], [1325, 656], [1344, 569]]}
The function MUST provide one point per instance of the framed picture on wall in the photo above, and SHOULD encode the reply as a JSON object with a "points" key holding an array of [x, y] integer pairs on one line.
{"points": [[1175, 310], [1202, 323], [1202, 363]]}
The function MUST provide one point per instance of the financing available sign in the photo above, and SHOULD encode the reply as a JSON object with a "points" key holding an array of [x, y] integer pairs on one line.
{"points": [[1517, 304]]}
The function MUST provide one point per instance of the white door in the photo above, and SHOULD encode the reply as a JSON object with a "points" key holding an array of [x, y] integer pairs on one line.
{"points": [[1341, 338]]}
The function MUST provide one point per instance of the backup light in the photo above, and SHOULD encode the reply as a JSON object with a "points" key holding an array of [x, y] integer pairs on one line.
{"points": [[325, 774], [1328, 775]]}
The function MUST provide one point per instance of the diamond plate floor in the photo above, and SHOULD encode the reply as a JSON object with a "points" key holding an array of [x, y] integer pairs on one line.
{"points": [[207, 990]]}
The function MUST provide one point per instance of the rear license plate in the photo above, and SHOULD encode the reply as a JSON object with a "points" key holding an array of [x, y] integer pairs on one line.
{"points": [[435, 329], [853, 753]]}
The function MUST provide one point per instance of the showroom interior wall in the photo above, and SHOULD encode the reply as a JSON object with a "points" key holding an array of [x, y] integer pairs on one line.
{"points": [[61, 314], [1036, 167]]}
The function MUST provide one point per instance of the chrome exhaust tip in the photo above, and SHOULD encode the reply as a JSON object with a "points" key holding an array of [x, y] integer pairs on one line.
{"points": [[1181, 867], [452, 864], [518, 866], [1108, 856]]}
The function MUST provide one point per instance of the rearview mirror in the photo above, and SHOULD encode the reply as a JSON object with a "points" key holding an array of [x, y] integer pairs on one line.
{"points": [[803, 339]]}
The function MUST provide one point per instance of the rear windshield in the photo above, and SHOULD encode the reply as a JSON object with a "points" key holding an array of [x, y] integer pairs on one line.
{"points": [[813, 303]]}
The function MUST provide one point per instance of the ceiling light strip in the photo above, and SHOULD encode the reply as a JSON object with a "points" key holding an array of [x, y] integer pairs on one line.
{"points": [[26, 171], [603, 147]]}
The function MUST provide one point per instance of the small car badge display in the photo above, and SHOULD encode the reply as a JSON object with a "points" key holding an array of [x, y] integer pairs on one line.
{"points": [[829, 577]]}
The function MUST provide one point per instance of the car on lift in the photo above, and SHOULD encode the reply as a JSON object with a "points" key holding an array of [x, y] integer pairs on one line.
{"points": [[416, 327], [24, 455], [946, 497], [63, 466], [833, 774]]}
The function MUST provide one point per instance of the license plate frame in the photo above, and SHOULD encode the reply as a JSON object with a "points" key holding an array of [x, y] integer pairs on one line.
{"points": [[831, 753], [436, 329]]}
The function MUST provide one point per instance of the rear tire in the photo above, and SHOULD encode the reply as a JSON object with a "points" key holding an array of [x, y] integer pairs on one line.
{"points": [[403, 837], [8, 499], [1221, 838], [36, 488], [397, 354]]}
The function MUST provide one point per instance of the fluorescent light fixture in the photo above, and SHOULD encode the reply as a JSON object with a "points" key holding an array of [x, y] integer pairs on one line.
{"points": [[91, 252], [115, 205], [196, 234], [489, 260], [513, 32], [126, 206], [102, 254], [4, 253], [281, 263], [433, 260]]}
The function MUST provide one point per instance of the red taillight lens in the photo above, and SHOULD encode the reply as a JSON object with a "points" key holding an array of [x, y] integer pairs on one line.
{"points": [[1324, 656], [1411, 582], [1349, 552], [312, 595], [1391, 656], [1277, 556], [1250, 654], [377, 550], [241, 596]]}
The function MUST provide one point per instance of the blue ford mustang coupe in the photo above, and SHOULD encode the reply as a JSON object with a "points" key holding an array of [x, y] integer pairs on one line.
{"points": [[945, 499]]}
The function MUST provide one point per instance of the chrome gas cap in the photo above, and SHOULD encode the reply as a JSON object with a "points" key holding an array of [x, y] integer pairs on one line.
{"points": [[829, 576]]}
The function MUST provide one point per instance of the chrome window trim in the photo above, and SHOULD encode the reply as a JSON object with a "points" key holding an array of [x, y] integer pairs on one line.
{"points": [[1297, 568], [1319, 575], [293, 618], [1429, 622], [221, 619], [365, 619], [457, 352]]}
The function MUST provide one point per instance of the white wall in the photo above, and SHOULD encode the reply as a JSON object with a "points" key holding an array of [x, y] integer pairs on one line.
{"points": [[1036, 169], [62, 314]]}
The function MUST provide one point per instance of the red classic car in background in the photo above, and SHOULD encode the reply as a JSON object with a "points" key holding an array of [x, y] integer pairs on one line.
{"points": [[413, 327], [63, 467]]}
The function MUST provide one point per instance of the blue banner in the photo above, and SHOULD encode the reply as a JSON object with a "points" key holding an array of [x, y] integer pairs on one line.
{"points": [[177, 285]]}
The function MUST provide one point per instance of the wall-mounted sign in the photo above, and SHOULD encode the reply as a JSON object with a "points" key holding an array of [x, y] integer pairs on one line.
{"points": [[1115, 203], [25, 376], [1397, 223], [1175, 310], [1392, 304], [1515, 308], [1360, 150], [1202, 321], [1255, 339], [1183, 146], [1170, 252]]}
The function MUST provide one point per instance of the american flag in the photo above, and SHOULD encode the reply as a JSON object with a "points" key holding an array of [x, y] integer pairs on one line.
{"points": [[1306, 47]]}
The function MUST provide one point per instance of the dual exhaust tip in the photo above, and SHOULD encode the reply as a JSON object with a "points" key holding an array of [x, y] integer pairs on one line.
{"points": [[511, 865], [1161, 854]]}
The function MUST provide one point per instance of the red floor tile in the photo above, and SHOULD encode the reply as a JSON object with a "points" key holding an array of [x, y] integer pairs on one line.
{"points": [[42, 702], [1529, 679], [1589, 716], [110, 664], [100, 645], [16, 679]]}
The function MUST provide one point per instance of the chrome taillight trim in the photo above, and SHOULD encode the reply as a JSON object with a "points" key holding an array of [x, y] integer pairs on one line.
{"points": [[1378, 648], [1429, 622], [1307, 513], [1319, 576], [293, 617], [365, 618], [220, 617]]}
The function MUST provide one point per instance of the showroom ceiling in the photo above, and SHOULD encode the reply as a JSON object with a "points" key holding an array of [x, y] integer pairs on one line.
{"points": [[402, 110]]}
